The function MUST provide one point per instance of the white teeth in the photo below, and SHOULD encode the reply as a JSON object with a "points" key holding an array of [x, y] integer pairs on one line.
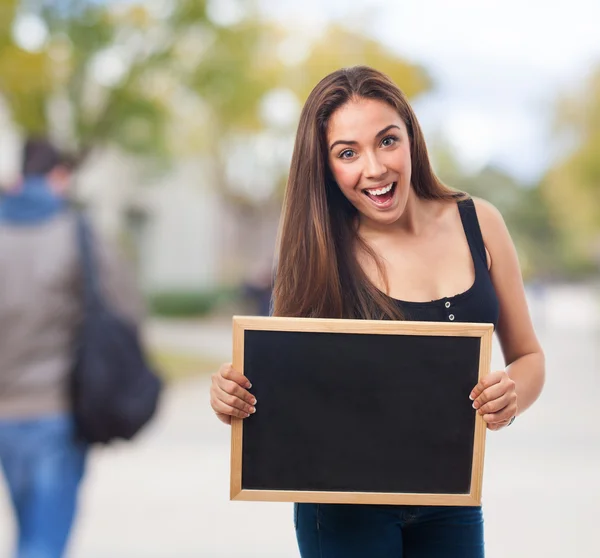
{"points": [[381, 191]]}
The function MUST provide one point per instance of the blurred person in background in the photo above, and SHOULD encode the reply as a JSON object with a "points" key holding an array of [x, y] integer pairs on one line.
{"points": [[41, 307], [369, 232], [258, 288]]}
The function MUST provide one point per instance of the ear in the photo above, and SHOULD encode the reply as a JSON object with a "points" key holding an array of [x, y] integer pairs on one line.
{"points": [[59, 179]]}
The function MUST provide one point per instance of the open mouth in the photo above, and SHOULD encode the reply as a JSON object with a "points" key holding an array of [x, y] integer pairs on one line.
{"points": [[381, 196]]}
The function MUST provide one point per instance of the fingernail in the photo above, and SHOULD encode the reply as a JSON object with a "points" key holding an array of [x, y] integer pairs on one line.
{"points": [[471, 396], [249, 385], [253, 402], [475, 405], [253, 410]]}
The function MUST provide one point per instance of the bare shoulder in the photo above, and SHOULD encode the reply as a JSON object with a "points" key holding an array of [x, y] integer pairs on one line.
{"points": [[490, 219], [496, 237]]}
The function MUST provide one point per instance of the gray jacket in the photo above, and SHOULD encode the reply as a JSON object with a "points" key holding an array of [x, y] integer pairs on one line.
{"points": [[41, 309]]}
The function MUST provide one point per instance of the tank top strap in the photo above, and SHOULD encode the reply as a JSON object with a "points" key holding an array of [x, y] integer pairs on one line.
{"points": [[468, 216]]}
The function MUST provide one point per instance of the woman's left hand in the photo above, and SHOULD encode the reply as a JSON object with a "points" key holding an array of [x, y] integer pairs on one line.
{"points": [[495, 398]]}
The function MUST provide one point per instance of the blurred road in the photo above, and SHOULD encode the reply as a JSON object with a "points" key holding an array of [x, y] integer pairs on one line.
{"points": [[166, 495]]}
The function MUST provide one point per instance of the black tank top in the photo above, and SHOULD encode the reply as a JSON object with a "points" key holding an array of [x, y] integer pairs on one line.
{"points": [[478, 304]]}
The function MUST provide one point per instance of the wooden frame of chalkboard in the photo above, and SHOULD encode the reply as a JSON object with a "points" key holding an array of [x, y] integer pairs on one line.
{"points": [[425, 445]]}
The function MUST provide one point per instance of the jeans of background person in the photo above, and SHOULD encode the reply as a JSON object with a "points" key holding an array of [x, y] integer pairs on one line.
{"points": [[43, 466], [365, 531]]}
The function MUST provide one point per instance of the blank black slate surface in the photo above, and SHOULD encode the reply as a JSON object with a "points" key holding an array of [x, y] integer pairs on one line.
{"points": [[359, 412]]}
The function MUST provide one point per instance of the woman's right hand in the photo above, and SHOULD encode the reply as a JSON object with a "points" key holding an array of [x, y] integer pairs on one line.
{"points": [[229, 396]]}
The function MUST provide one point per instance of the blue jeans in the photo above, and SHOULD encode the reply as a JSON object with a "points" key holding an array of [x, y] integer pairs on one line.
{"points": [[43, 466], [366, 531]]}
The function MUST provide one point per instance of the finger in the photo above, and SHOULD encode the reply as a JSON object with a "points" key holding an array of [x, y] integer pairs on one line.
{"points": [[504, 415], [221, 408], [497, 425], [228, 372], [233, 401], [489, 394], [232, 388], [484, 383], [226, 419], [497, 403]]}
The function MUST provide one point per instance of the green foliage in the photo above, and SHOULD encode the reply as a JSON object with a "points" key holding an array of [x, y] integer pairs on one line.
{"points": [[8, 9], [233, 76], [572, 187], [130, 117], [186, 11], [66, 67], [126, 70], [340, 47], [159, 57], [23, 82], [189, 304]]}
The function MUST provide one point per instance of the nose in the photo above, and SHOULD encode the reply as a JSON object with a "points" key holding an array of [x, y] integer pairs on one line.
{"points": [[374, 167]]}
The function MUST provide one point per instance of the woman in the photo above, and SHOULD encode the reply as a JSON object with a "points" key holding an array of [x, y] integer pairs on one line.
{"points": [[369, 231]]}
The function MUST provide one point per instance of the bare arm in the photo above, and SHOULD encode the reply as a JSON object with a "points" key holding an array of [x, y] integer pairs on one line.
{"points": [[505, 394]]}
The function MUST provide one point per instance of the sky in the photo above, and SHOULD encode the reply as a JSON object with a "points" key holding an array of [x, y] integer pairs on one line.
{"points": [[498, 67]]}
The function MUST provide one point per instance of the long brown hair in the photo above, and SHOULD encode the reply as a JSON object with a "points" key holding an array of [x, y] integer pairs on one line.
{"points": [[317, 273]]}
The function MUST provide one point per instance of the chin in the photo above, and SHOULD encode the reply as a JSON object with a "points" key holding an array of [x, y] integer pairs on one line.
{"points": [[384, 211]]}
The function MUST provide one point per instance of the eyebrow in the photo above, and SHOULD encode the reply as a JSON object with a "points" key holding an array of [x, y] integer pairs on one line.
{"points": [[352, 142]]}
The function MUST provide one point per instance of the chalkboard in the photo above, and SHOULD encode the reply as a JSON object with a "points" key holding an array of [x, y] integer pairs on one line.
{"points": [[363, 411]]}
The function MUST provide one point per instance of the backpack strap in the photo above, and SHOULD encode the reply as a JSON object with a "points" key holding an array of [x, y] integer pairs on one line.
{"points": [[89, 267]]}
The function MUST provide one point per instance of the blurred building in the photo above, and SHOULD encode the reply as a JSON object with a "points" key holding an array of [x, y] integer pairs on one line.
{"points": [[182, 232]]}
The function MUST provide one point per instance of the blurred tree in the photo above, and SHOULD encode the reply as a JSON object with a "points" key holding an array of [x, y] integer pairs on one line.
{"points": [[224, 71], [339, 47], [162, 79], [572, 186], [93, 73], [72, 70]]}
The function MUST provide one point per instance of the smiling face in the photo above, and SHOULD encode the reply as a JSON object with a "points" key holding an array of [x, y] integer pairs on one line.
{"points": [[369, 157]]}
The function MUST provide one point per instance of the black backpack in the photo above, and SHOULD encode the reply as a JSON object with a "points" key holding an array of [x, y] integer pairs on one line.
{"points": [[114, 392]]}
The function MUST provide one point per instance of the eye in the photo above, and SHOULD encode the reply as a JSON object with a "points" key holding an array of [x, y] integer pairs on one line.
{"points": [[346, 154], [389, 141]]}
